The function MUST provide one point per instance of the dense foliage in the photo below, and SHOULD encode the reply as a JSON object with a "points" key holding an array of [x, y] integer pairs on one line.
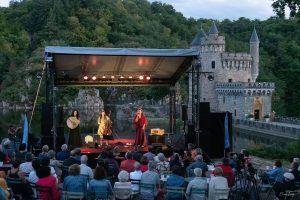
{"points": [[29, 25]]}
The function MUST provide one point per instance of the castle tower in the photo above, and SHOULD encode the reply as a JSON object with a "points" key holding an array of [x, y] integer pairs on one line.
{"points": [[254, 51]]}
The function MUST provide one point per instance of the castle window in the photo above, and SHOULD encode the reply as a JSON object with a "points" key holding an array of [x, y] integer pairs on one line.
{"points": [[223, 99], [248, 80], [229, 80], [234, 112], [213, 64]]}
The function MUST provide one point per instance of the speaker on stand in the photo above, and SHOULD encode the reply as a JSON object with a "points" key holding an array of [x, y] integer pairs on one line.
{"points": [[184, 117]]}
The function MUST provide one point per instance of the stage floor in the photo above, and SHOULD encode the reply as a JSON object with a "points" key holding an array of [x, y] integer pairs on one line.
{"points": [[125, 145]]}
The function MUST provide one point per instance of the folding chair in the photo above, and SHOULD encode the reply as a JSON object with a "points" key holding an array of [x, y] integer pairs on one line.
{"points": [[72, 195], [175, 193], [120, 193], [198, 192], [147, 191], [14, 184], [222, 193], [97, 195]]}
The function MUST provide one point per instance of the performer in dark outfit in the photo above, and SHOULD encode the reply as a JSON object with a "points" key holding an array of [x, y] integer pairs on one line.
{"points": [[140, 122], [74, 133]]}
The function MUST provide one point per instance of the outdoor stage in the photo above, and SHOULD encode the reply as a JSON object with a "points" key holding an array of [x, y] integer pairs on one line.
{"points": [[125, 145]]}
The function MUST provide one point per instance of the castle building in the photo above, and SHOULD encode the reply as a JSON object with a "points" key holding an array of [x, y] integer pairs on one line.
{"points": [[228, 80]]}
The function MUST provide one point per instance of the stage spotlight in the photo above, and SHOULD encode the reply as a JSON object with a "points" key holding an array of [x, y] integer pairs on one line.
{"points": [[130, 77], [103, 76], [121, 76], [141, 77], [85, 77], [94, 78], [112, 76], [148, 78]]}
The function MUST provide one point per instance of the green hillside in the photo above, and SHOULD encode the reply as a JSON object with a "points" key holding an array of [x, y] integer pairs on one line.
{"points": [[27, 26]]}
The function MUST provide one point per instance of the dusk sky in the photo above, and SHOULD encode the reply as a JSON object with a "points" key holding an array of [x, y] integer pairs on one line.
{"points": [[217, 9]]}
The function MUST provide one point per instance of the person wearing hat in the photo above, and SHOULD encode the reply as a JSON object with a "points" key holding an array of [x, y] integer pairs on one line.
{"points": [[288, 184]]}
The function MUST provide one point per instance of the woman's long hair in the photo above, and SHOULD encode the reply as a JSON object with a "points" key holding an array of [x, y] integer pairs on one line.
{"points": [[77, 116]]}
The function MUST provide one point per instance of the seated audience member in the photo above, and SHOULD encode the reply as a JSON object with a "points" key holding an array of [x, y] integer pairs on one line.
{"points": [[44, 152], [163, 165], [136, 176], [71, 160], [123, 183], [295, 172], [217, 182], [175, 161], [176, 179], [99, 187], [77, 152], [26, 167], [127, 164], [2, 194], [227, 171], [288, 184], [198, 164], [187, 159], [54, 163], [64, 153], [7, 149], [3, 184], [136, 154], [199, 183], [150, 177], [3, 158], [233, 160], [150, 154], [84, 169], [20, 155], [295, 160], [46, 180], [45, 161], [22, 189], [276, 174], [144, 164], [112, 164], [33, 178], [74, 182]]}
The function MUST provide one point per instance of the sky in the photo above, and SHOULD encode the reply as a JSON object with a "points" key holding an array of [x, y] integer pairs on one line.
{"points": [[217, 9]]}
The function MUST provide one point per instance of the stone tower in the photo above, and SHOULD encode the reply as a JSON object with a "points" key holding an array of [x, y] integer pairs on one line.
{"points": [[234, 86], [254, 51]]}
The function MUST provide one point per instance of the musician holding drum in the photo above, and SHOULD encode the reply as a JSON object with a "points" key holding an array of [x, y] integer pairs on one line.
{"points": [[73, 123]]}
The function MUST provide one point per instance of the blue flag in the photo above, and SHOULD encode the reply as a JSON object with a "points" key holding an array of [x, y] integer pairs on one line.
{"points": [[226, 133], [25, 131]]}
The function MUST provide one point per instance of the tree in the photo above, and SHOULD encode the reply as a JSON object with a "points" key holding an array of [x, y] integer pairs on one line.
{"points": [[281, 5]]}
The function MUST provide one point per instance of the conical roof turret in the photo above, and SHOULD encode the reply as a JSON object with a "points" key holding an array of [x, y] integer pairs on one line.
{"points": [[254, 37], [197, 39], [213, 29]]}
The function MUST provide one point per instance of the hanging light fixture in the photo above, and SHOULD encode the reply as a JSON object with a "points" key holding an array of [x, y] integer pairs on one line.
{"points": [[141, 77], [103, 76], [85, 77], [94, 77], [148, 78]]}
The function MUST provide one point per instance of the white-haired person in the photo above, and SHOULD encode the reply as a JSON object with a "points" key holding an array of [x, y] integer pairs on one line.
{"points": [[122, 188], [135, 177], [197, 164], [150, 177], [217, 182], [163, 165], [54, 163], [64, 153], [198, 182], [44, 152], [84, 168]]}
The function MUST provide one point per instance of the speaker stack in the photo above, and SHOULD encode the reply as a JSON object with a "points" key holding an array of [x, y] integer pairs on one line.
{"points": [[204, 126]]}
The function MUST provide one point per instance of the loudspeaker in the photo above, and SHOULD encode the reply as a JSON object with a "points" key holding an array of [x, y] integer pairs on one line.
{"points": [[60, 115], [108, 137], [190, 136], [204, 109], [46, 119], [60, 137], [184, 112], [156, 139]]}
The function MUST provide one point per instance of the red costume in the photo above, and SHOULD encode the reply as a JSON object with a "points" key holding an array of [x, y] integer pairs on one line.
{"points": [[140, 135]]}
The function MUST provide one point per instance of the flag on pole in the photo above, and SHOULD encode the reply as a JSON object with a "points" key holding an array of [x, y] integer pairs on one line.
{"points": [[25, 131], [226, 133]]}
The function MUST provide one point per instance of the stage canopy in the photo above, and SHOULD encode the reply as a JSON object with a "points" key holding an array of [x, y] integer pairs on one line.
{"points": [[117, 66]]}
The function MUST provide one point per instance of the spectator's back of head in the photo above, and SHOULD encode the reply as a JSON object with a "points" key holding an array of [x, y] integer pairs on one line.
{"points": [[137, 166], [36, 164], [84, 159], [161, 157], [43, 171], [28, 157], [45, 148], [72, 153], [74, 170], [198, 158], [151, 165], [123, 176], [218, 171], [64, 147], [51, 154], [16, 163], [99, 173], [198, 172], [45, 161], [77, 151], [128, 156], [144, 160], [225, 161]]}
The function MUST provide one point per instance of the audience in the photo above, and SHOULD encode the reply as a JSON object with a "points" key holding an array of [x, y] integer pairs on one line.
{"points": [[20, 155], [74, 182], [84, 169], [64, 153], [123, 187], [276, 174], [3, 184], [175, 161], [26, 167], [176, 179], [295, 171], [136, 176], [150, 177], [199, 183], [46, 180], [44, 152], [112, 165], [162, 165], [99, 187], [33, 178], [227, 171], [150, 154], [54, 163], [7, 150], [128, 164], [144, 164], [217, 182], [197, 164]]}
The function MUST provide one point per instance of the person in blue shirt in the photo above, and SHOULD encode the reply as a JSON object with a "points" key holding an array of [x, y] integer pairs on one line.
{"points": [[276, 174], [75, 182], [99, 187], [176, 180], [64, 153]]}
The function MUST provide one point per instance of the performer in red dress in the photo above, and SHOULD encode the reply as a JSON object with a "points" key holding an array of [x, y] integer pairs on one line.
{"points": [[140, 122]]}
